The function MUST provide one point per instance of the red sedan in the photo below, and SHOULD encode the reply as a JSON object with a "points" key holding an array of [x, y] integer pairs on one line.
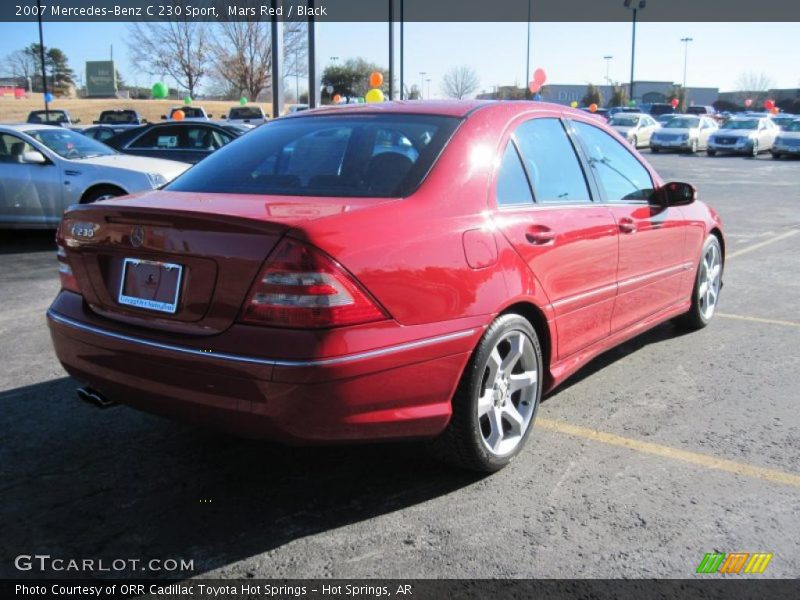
{"points": [[403, 270]]}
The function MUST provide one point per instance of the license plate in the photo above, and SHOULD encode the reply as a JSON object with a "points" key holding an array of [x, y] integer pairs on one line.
{"points": [[151, 285]]}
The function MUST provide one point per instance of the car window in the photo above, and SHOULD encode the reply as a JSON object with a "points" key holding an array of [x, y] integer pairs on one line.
{"points": [[189, 112], [69, 144], [512, 183], [553, 167], [12, 148], [246, 112], [158, 137], [619, 172]]}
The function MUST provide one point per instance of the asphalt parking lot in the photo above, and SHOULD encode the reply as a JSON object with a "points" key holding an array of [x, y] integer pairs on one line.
{"points": [[658, 452]]}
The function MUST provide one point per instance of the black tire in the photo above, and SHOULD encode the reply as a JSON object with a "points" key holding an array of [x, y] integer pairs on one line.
{"points": [[102, 192], [695, 318], [635, 142], [653, 150], [754, 151], [462, 442], [711, 152], [776, 155], [693, 147]]}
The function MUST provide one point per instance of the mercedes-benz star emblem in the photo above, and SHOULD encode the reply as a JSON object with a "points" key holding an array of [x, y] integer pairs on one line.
{"points": [[137, 236]]}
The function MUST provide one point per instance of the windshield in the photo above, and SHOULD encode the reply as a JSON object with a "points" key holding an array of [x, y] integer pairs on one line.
{"points": [[682, 123], [793, 126], [743, 124], [69, 144], [624, 120], [247, 112], [122, 116], [348, 156], [55, 116]]}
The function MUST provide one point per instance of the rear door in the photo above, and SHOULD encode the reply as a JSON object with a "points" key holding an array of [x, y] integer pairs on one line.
{"points": [[545, 209], [651, 238]]}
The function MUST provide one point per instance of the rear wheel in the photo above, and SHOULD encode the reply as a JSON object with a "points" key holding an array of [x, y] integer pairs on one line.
{"points": [[707, 285], [653, 149], [102, 192], [496, 401], [711, 152], [776, 155]]}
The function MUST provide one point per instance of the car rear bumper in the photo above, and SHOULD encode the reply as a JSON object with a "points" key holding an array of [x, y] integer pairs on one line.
{"points": [[387, 392]]}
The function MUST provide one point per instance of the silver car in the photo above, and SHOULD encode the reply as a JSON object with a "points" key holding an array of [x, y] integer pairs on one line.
{"points": [[744, 135], [684, 132], [788, 141], [44, 169], [637, 128]]}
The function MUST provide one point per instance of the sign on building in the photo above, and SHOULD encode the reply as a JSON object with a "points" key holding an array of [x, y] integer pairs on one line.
{"points": [[101, 78]]}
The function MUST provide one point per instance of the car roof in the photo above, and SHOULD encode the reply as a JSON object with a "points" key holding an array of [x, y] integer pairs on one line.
{"points": [[28, 126], [632, 114], [444, 108]]}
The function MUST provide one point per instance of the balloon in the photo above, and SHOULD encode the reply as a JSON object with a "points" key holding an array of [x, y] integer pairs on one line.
{"points": [[178, 115], [374, 95], [376, 79], [48, 97], [631, 102], [539, 76], [534, 87], [337, 98], [574, 104], [748, 103], [243, 100], [538, 97], [675, 102], [187, 100], [159, 90], [775, 110], [769, 104], [593, 107]]}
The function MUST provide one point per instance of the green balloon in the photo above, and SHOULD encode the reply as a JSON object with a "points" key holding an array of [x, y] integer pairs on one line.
{"points": [[243, 100], [160, 90], [632, 103], [187, 100]]}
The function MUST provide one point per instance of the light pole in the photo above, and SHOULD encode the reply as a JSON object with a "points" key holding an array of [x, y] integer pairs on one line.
{"points": [[528, 53], [635, 6], [428, 81], [608, 66], [421, 83], [685, 41]]}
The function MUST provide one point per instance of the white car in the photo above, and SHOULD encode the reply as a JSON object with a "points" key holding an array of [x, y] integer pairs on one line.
{"points": [[689, 133], [246, 115], [788, 141], [44, 169], [744, 135], [637, 128]]}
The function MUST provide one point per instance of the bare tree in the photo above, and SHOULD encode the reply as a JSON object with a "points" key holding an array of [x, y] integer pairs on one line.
{"points": [[754, 86], [175, 48], [460, 82], [21, 64]]}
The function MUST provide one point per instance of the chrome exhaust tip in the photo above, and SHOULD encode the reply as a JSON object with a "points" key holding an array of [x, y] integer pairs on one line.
{"points": [[94, 397]]}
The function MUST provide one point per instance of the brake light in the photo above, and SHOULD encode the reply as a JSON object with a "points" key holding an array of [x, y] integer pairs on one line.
{"points": [[65, 274], [301, 287]]}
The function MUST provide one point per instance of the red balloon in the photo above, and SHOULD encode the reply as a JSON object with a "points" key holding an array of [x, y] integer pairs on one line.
{"points": [[748, 103], [534, 87], [593, 107], [539, 76], [769, 104], [675, 102]]}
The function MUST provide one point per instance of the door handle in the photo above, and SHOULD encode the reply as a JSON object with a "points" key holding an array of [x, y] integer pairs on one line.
{"points": [[72, 173], [627, 225], [540, 235]]}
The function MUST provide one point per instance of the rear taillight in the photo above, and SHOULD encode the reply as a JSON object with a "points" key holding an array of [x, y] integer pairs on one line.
{"points": [[68, 281], [301, 287]]}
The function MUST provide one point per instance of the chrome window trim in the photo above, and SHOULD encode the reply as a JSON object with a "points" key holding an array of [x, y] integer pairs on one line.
{"points": [[322, 362]]}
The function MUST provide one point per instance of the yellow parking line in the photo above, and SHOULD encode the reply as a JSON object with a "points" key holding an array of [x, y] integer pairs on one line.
{"points": [[758, 320], [772, 240], [695, 458]]}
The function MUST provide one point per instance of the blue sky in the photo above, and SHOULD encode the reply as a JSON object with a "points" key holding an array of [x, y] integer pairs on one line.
{"points": [[569, 52]]}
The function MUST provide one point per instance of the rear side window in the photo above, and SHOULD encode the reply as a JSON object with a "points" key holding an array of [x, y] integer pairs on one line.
{"points": [[553, 167], [620, 174], [512, 183], [159, 137], [384, 155]]}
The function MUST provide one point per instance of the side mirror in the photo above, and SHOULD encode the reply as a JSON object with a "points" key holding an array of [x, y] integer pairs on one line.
{"points": [[33, 157], [76, 121], [210, 116], [675, 193]]}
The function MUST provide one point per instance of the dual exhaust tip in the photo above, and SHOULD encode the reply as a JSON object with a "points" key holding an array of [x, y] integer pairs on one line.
{"points": [[93, 397]]}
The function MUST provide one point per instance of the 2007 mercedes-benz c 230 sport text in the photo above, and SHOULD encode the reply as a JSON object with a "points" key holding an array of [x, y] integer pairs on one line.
{"points": [[374, 272]]}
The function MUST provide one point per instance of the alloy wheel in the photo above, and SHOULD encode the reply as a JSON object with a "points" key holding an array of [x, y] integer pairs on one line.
{"points": [[508, 393], [708, 290]]}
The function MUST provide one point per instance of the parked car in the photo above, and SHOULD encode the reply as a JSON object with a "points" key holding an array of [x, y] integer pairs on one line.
{"points": [[684, 132], [186, 141], [637, 128], [101, 133], [52, 117], [623, 109], [782, 120], [298, 285], [240, 115], [788, 141], [708, 111], [44, 169], [744, 135], [120, 117], [664, 118], [657, 109], [190, 113]]}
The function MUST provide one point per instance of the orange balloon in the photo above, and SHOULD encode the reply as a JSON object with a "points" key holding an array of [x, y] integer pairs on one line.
{"points": [[593, 107], [178, 115], [337, 98], [376, 79], [775, 110]]}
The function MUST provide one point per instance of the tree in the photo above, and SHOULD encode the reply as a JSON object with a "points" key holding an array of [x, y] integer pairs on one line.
{"points": [[22, 65], [351, 78], [174, 48], [61, 75], [754, 86], [619, 96], [592, 96], [460, 82]]}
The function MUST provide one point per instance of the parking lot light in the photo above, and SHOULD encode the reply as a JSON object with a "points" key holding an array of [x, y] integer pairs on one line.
{"points": [[685, 41], [635, 6]]}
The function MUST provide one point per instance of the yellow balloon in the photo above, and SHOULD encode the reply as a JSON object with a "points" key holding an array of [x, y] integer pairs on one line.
{"points": [[573, 104], [374, 95]]}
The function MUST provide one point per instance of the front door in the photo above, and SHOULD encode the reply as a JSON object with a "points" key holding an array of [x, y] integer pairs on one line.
{"points": [[30, 194]]}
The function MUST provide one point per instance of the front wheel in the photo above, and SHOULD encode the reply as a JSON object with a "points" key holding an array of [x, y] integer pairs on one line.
{"points": [[635, 142], [754, 152], [496, 401], [776, 155], [707, 285], [693, 147], [711, 152]]}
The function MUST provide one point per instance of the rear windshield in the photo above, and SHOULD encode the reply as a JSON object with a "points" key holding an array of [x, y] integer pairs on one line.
{"points": [[190, 112], [697, 110], [41, 116], [622, 120], [247, 112], [743, 124], [118, 116], [682, 123], [383, 156]]}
